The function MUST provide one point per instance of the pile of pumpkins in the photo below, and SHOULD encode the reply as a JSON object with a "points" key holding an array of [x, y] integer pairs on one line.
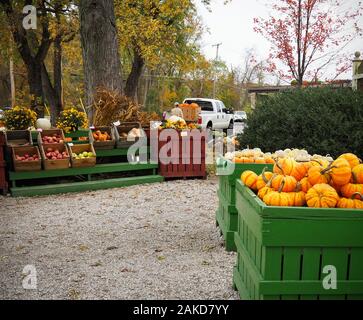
{"points": [[250, 156], [318, 183]]}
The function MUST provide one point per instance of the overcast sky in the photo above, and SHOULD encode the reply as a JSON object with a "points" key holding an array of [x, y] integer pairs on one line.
{"points": [[232, 25]]}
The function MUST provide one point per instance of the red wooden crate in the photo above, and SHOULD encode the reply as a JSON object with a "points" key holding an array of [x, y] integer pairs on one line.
{"points": [[186, 166]]}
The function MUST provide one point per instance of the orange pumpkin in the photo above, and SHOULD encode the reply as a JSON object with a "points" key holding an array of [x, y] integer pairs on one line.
{"points": [[297, 199], [263, 178], [260, 160], [340, 172], [318, 175], [237, 160], [249, 178], [305, 184], [299, 171], [277, 198], [319, 163], [283, 183], [351, 203], [284, 166], [350, 189], [322, 196], [263, 191], [269, 160], [357, 173], [352, 159]]}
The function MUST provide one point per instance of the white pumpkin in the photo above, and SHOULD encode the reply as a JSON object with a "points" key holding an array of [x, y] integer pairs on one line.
{"points": [[43, 123]]}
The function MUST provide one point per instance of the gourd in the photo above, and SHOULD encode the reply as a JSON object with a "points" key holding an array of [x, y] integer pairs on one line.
{"points": [[277, 198], [284, 166], [318, 175], [350, 189], [263, 178], [249, 178], [357, 173], [305, 184], [322, 195], [340, 172], [299, 171], [351, 203], [352, 159], [287, 183]]}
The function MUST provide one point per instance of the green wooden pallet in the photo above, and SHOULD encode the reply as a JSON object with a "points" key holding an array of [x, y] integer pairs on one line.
{"points": [[83, 186], [282, 251], [226, 215]]}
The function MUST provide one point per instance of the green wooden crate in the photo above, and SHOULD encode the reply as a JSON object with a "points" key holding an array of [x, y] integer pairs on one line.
{"points": [[226, 214], [282, 251]]}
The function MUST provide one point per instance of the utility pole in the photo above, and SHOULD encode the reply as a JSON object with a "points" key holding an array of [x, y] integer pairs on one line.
{"points": [[215, 73]]}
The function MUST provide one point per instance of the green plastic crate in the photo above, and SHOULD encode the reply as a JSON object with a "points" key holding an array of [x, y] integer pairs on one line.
{"points": [[226, 214], [282, 251]]}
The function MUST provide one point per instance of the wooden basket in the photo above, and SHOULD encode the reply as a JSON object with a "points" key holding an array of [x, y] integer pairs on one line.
{"points": [[55, 164], [103, 145], [21, 166], [49, 132], [190, 113], [81, 163], [125, 128], [18, 138]]}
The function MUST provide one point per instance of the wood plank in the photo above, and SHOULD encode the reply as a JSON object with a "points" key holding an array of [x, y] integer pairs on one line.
{"points": [[84, 186], [310, 268]]}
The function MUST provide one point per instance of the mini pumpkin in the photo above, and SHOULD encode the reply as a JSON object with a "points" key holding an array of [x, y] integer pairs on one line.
{"points": [[277, 198], [263, 178], [318, 175], [249, 178], [283, 183], [350, 189], [340, 172], [322, 195], [305, 184], [351, 203], [284, 166], [264, 191], [357, 173], [297, 199], [299, 171], [352, 159]]}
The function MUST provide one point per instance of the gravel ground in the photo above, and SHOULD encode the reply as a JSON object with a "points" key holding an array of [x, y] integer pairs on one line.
{"points": [[156, 241]]}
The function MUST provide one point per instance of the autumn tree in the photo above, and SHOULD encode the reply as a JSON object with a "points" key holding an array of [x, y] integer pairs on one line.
{"points": [[34, 45], [307, 36], [101, 59], [155, 31]]}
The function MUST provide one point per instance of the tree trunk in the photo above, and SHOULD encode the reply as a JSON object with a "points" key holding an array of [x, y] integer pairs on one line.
{"points": [[134, 77], [101, 60], [57, 70], [12, 81], [35, 87]]}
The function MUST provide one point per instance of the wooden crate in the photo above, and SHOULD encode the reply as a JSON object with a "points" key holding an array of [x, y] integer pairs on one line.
{"points": [[125, 128], [55, 164], [190, 113], [21, 166], [80, 163], [18, 138], [282, 252], [187, 164], [49, 132], [103, 145]]}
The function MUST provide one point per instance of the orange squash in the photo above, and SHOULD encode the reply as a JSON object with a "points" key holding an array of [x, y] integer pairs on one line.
{"points": [[297, 199], [340, 172], [283, 183], [357, 173], [263, 191], [351, 203], [322, 196], [299, 171], [277, 198], [305, 184], [284, 166], [350, 189], [352, 159], [263, 178], [318, 175], [249, 178]]}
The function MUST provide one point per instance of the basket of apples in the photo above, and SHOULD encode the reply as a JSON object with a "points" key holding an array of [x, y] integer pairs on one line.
{"points": [[51, 136], [83, 155], [55, 156], [26, 159]]}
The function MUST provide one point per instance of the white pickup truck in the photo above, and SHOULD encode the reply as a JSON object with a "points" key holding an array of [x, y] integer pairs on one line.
{"points": [[213, 115]]}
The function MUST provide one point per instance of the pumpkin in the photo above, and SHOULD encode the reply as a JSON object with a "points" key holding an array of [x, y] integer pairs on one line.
{"points": [[322, 195], [249, 178], [263, 191], [335, 186], [263, 179], [237, 160], [351, 203], [269, 160], [350, 189], [260, 160], [305, 184], [320, 163], [318, 175], [352, 159], [284, 166], [286, 183], [357, 173], [297, 199], [277, 198], [340, 172], [299, 171]]}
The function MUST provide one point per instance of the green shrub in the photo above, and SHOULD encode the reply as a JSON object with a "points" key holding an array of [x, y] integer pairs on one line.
{"points": [[320, 120]]}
